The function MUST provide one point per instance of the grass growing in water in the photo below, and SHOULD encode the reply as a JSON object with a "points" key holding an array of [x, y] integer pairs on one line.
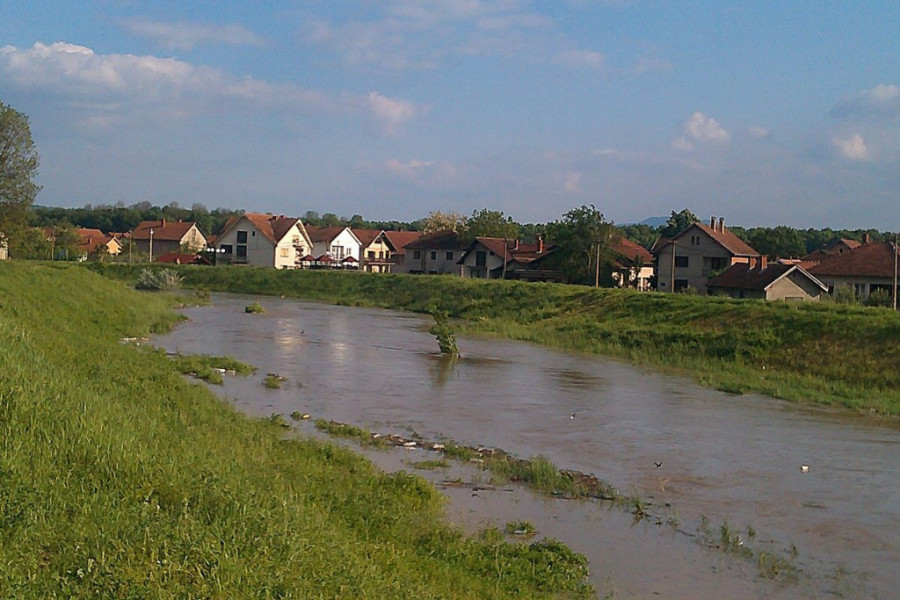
{"points": [[255, 308], [119, 478], [273, 381], [210, 368]]}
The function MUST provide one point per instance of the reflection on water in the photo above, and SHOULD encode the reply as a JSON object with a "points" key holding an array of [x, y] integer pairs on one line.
{"points": [[722, 456]]}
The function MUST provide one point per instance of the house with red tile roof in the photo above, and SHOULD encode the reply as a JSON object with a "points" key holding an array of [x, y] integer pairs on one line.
{"points": [[158, 237], [866, 268], [398, 241], [375, 250], [498, 258], [763, 280], [632, 264], [337, 244], [436, 253], [263, 240], [697, 253], [90, 241]]}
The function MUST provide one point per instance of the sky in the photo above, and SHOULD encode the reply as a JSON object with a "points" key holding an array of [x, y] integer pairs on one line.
{"points": [[765, 113]]}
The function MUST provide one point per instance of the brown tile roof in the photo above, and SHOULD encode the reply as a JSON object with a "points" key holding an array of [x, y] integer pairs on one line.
{"points": [[272, 227], [163, 230], [366, 236], [323, 234], [725, 238], [744, 276], [399, 239], [867, 260], [632, 253], [515, 251], [438, 240], [91, 238]]}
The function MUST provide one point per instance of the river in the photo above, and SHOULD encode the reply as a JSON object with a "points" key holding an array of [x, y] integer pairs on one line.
{"points": [[712, 457]]}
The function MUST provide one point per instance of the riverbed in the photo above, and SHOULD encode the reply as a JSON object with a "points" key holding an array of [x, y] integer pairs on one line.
{"points": [[713, 458]]}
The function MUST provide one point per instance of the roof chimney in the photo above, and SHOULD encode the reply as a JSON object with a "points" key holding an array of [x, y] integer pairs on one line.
{"points": [[540, 249], [712, 223], [722, 224], [162, 223], [763, 262], [516, 246], [867, 238]]}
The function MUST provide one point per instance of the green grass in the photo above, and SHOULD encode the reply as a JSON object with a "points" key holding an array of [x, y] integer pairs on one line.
{"points": [[273, 381], [821, 353], [209, 368], [120, 478]]}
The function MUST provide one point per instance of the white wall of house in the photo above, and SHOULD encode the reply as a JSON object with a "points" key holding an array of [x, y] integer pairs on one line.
{"points": [[291, 248], [481, 254], [258, 250], [341, 246]]}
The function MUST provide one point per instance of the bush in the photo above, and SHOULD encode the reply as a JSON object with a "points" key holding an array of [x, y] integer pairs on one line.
{"points": [[165, 279], [879, 297]]}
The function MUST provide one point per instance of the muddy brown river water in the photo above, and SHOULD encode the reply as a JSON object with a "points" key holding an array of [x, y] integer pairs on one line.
{"points": [[713, 457]]}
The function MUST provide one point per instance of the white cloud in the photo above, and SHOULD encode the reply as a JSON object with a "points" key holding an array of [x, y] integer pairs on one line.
{"points": [[581, 58], [409, 168], [184, 35], [572, 184], [881, 100], [682, 144], [705, 129], [852, 148], [758, 132], [391, 112]]}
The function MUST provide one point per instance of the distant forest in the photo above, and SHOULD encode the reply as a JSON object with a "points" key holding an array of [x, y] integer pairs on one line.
{"points": [[780, 241]]}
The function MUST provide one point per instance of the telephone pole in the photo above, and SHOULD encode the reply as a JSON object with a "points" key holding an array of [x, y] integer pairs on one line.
{"points": [[895, 272]]}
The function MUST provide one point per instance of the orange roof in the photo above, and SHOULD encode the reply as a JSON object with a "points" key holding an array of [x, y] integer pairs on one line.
{"points": [[163, 230], [867, 260], [631, 252], [366, 236]]}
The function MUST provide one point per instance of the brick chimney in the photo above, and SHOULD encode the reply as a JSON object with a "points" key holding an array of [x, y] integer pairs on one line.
{"points": [[763, 262], [712, 223], [162, 223], [540, 248], [516, 244], [867, 238], [722, 224]]}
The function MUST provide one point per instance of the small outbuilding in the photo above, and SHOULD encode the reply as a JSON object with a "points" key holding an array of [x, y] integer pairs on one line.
{"points": [[764, 281]]}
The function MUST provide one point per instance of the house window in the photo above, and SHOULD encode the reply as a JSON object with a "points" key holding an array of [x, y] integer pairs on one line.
{"points": [[681, 262], [449, 255], [241, 251], [337, 252], [433, 255], [480, 258], [681, 284], [226, 249], [284, 252], [241, 237], [371, 255], [717, 263], [295, 240], [417, 254]]}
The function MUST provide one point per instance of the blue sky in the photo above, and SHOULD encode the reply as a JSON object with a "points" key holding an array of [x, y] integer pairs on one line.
{"points": [[765, 113]]}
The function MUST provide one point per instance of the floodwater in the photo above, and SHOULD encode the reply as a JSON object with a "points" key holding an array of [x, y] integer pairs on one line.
{"points": [[712, 457]]}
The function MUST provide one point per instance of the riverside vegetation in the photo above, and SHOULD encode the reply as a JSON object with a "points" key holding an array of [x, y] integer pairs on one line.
{"points": [[121, 478], [821, 353]]}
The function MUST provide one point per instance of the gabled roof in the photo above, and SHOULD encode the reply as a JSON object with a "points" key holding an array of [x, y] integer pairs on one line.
{"points": [[629, 253], [326, 234], [438, 240], [399, 239], [91, 238], [512, 250], [366, 236], [724, 238], [272, 227], [747, 277], [874, 259], [173, 231]]}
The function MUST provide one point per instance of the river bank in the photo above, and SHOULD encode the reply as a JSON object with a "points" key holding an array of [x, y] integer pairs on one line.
{"points": [[816, 353], [120, 478]]}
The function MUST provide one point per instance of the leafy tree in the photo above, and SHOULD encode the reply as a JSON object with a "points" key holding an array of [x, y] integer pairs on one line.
{"points": [[678, 222], [439, 221], [331, 220], [33, 245], [18, 166], [640, 233], [490, 223], [583, 241]]}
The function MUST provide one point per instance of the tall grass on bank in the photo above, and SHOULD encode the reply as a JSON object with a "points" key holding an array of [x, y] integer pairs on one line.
{"points": [[809, 352], [119, 478]]}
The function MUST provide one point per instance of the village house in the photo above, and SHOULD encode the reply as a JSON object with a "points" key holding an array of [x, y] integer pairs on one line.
{"points": [[336, 247], [498, 258], [263, 240], [697, 253], [375, 250], [761, 279], [90, 241], [632, 265], [158, 237], [398, 241], [436, 253], [866, 269]]}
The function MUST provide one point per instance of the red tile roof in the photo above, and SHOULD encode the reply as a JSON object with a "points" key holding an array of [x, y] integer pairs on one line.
{"points": [[438, 240], [743, 276], [631, 253], [163, 230], [91, 238], [399, 239], [366, 236], [272, 227], [867, 260], [725, 238], [513, 250]]}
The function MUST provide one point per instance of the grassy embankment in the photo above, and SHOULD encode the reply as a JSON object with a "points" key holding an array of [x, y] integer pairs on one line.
{"points": [[119, 478], [815, 353]]}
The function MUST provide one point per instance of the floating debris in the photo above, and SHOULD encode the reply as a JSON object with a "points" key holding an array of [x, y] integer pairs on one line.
{"points": [[804, 468]]}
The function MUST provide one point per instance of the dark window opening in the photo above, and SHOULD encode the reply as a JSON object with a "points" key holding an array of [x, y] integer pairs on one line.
{"points": [[241, 237], [681, 262]]}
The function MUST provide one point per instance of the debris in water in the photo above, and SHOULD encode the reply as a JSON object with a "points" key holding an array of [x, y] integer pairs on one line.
{"points": [[804, 468]]}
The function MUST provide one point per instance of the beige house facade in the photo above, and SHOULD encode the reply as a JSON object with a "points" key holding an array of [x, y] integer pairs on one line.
{"points": [[263, 240], [763, 281], [697, 253], [159, 237], [437, 253], [375, 250]]}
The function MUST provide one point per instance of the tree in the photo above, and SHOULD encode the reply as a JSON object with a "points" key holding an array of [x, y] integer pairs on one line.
{"points": [[678, 222], [18, 166], [583, 241], [438, 221], [490, 223]]}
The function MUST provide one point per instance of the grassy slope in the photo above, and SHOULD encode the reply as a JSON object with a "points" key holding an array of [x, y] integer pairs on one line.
{"points": [[818, 353], [118, 478]]}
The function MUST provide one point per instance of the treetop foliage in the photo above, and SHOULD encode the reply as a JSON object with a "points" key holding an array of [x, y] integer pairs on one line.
{"points": [[18, 167]]}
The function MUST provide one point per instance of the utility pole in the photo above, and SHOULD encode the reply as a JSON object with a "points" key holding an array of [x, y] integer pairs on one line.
{"points": [[597, 268], [151, 245], [895, 272], [672, 288]]}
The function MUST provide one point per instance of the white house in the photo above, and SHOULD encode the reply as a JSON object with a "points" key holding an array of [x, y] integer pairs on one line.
{"points": [[337, 244], [263, 240]]}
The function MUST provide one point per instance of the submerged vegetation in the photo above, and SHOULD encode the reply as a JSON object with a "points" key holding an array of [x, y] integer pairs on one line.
{"points": [[823, 353], [210, 368], [443, 333], [120, 478]]}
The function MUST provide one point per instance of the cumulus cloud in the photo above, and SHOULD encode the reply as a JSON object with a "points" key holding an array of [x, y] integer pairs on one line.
{"points": [[852, 148], [572, 184], [758, 132], [185, 35], [881, 100], [581, 58], [392, 113], [701, 128]]}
